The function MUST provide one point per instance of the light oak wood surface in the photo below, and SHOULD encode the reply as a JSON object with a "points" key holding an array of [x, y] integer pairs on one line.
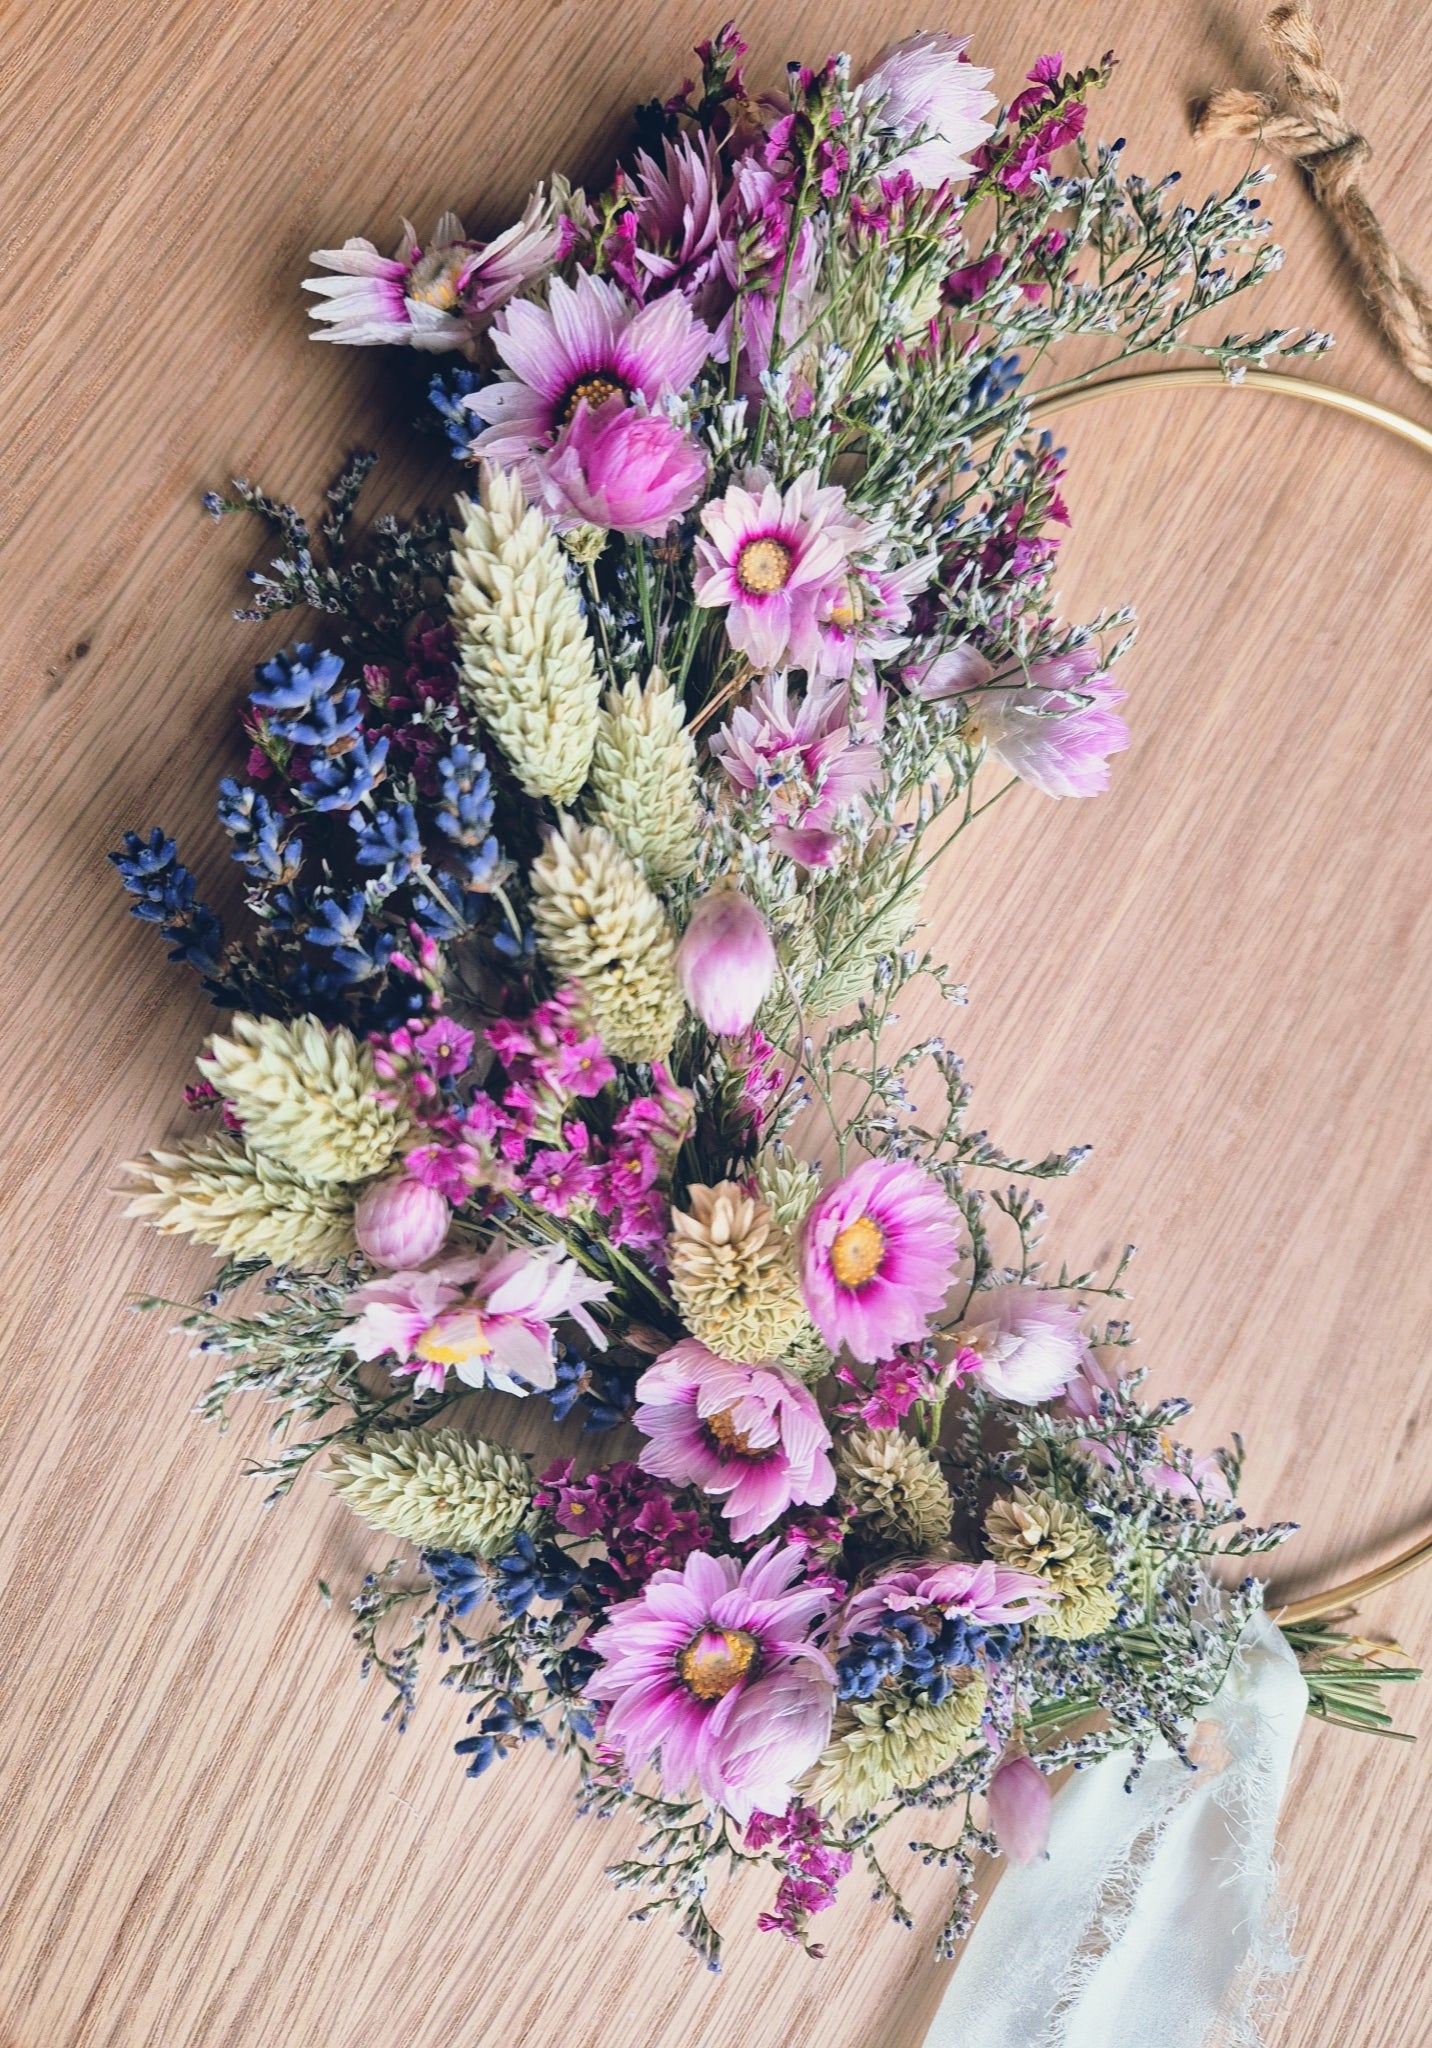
{"points": [[1220, 975]]}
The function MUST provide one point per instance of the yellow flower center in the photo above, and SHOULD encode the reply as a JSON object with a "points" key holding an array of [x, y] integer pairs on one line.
{"points": [[596, 389], [723, 1428], [856, 1254], [434, 282], [716, 1660], [453, 1339], [847, 610], [764, 566]]}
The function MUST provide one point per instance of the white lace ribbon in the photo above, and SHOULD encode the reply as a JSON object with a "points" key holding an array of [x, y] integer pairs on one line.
{"points": [[1153, 1922]]}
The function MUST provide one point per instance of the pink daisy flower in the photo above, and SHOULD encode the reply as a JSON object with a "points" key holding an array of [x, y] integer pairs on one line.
{"points": [[774, 559], [429, 298], [988, 1594], [617, 467], [588, 342], [807, 760], [1056, 731], [751, 1433], [878, 1254], [924, 88], [714, 1669], [1022, 1343], [489, 1317]]}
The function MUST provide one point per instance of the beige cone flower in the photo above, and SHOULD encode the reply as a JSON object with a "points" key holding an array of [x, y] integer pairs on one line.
{"points": [[225, 1195], [894, 1486], [733, 1275], [599, 924], [1037, 1532], [643, 782], [306, 1096], [526, 656], [438, 1488], [879, 1747]]}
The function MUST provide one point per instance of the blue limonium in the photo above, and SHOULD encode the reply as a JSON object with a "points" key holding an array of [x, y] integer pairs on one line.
{"points": [[533, 1571], [500, 1731], [258, 832], [920, 1653], [152, 871]]}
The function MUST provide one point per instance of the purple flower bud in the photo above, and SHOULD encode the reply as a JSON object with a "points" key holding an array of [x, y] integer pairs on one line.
{"points": [[1019, 1802], [400, 1223], [726, 962]]}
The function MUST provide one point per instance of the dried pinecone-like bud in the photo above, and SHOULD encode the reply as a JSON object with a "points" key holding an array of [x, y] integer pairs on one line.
{"points": [[643, 780], [808, 1355], [598, 924], [306, 1096], [789, 1186], [884, 1746], [892, 1485], [439, 1488], [1037, 1532], [240, 1202], [733, 1275], [526, 655]]}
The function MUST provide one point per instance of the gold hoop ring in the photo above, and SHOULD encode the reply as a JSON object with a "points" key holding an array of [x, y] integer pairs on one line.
{"points": [[1316, 1605]]}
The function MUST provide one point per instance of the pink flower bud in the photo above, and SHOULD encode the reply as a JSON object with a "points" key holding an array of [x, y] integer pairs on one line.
{"points": [[726, 962], [1019, 1802], [399, 1223]]}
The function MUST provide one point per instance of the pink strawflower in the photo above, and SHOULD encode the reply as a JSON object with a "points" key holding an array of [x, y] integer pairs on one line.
{"points": [[878, 1254], [488, 1317], [680, 245], [401, 1222], [773, 559], [714, 1669], [588, 342], [806, 759], [990, 1595], [726, 961], [430, 298], [924, 88], [1019, 1803], [618, 467], [1055, 731], [752, 1434], [1024, 1343]]}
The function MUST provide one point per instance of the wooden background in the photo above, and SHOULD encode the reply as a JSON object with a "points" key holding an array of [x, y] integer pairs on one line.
{"points": [[1221, 974]]}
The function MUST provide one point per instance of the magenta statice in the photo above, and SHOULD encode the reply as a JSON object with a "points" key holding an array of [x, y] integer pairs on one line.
{"points": [[585, 853]]}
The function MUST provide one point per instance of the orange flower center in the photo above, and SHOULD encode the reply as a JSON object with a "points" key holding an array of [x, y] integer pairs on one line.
{"points": [[716, 1660], [596, 389], [764, 566], [856, 1254], [723, 1428]]}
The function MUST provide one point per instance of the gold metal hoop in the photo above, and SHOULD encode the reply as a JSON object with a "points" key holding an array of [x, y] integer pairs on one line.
{"points": [[1316, 1605]]}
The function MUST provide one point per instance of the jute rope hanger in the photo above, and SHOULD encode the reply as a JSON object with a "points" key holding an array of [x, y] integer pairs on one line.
{"points": [[1336, 1599], [1310, 127]]}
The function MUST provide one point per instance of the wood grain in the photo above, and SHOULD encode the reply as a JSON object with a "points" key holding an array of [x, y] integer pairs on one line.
{"points": [[1221, 975]]}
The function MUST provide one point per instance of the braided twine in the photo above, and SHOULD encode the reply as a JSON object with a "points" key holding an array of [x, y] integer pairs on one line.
{"points": [[1310, 128]]}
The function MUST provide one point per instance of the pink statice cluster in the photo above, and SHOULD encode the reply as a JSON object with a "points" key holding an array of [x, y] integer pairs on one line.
{"points": [[634, 1516], [523, 1132], [811, 1869]]}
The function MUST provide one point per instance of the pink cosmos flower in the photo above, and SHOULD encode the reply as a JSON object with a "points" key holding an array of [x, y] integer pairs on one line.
{"points": [[807, 759], [987, 1594], [429, 298], [774, 559], [1057, 732], [618, 467], [751, 1433], [925, 87], [1019, 1803], [878, 1253], [714, 1669], [588, 342], [865, 620], [488, 1317], [726, 961], [1022, 1343]]}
